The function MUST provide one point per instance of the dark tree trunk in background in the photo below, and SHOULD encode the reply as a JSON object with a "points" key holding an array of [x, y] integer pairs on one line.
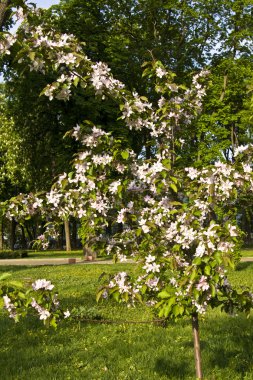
{"points": [[60, 238], [74, 234], [23, 239], [13, 234], [30, 236], [67, 235], [1, 234]]}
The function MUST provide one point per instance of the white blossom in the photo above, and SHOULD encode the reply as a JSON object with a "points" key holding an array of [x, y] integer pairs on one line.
{"points": [[42, 284], [160, 72]]}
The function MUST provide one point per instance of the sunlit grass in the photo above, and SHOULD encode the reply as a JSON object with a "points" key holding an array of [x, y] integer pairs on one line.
{"points": [[247, 252], [123, 350], [54, 254], [31, 254]]}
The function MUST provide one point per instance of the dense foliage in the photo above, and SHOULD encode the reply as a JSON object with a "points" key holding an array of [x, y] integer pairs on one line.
{"points": [[177, 214]]}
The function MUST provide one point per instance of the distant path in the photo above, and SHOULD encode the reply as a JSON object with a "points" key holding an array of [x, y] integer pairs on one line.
{"points": [[247, 259], [52, 261], [66, 261]]}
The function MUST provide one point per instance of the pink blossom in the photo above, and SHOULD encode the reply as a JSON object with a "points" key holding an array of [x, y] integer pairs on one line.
{"points": [[203, 284]]}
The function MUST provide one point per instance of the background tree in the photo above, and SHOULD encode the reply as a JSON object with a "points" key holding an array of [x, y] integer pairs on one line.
{"points": [[185, 35]]}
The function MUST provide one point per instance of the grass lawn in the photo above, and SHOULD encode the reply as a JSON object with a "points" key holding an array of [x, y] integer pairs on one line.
{"points": [[121, 351], [54, 254], [61, 254], [247, 252]]}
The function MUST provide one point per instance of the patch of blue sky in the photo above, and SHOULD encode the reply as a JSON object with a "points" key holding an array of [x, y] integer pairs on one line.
{"points": [[45, 3]]}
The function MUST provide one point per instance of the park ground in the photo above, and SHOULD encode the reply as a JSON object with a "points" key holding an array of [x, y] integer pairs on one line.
{"points": [[111, 341]]}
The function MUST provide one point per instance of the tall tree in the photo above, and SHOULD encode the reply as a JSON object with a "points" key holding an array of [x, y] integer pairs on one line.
{"points": [[4, 4], [186, 36]]}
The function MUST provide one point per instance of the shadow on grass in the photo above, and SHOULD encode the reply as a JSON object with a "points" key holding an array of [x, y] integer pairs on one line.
{"points": [[168, 353], [229, 343], [168, 367], [12, 268], [244, 265], [29, 348]]}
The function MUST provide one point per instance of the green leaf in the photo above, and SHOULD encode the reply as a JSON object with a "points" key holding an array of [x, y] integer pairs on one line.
{"points": [[143, 289], [174, 179], [138, 297], [213, 290], [171, 301], [207, 270], [16, 284], [125, 154], [116, 296], [197, 261], [163, 294], [21, 295], [99, 294], [4, 276], [167, 163], [31, 55], [178, 310], [194, 274], [138, 232], [173, 187], [126, 296], [166, 310], [144, 98], [53, 323], [76, 81]]}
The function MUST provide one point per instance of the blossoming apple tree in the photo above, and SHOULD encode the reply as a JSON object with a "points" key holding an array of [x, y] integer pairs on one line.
{"points": [[179, 223]]}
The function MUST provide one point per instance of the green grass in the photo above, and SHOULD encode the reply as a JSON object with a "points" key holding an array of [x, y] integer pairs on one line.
{"points": [[247, 252], [54, 254], [121, 351], [59, 254]]}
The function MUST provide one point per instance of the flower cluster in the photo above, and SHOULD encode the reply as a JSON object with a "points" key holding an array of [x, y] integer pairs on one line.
{"points": [[42, 284], [102, 80], [20, 301], [10, 307], [43, 313]]}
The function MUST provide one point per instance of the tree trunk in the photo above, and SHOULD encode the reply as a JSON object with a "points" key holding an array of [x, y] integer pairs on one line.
{"points": [[60, 238], [1, 234], [197, 353], [67, 235], [74, 234], [88, 253], [225, 82], [23, 238], [3, 7], [13, 234], [30, 235]]}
